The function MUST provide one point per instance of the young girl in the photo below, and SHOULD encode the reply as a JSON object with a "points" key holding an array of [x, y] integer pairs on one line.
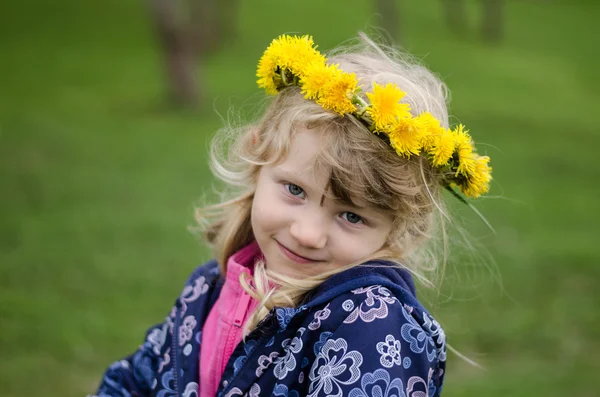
{"points": [[335, 191]]}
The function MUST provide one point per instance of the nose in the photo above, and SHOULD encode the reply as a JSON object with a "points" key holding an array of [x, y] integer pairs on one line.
{"points": [[310, 231]]}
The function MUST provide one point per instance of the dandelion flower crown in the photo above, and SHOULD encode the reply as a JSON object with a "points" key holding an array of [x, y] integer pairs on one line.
{"points": [[294, 60]]}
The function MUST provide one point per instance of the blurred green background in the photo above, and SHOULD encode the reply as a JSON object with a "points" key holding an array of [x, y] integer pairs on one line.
{"points": [[100, 176]]}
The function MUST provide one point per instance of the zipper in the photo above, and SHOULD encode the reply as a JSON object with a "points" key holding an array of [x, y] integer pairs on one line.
{"points": [[230, 338], [241, 310], [174, 344], [238, 322]]}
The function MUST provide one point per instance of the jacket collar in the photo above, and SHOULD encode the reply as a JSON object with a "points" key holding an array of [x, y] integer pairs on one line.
{"points": [[381, 272]]}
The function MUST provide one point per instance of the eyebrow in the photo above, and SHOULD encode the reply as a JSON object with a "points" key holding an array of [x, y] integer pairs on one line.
{"points": [[359, 207], [287, 174]]}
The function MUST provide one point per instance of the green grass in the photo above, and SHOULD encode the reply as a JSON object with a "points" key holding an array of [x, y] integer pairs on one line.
{"points": [[99, 179]]}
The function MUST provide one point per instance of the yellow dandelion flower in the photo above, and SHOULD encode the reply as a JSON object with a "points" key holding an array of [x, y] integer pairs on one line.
{"points": [[292, 53], [317, 75], [337, 94], [463, 147], [266, 71], [442, 148], [297, 53], [405, 137], [431, 130], [479, 182], [385, 106]]}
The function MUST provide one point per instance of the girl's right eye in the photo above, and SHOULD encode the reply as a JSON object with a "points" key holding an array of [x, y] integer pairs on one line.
{"points": [[294, 190]]}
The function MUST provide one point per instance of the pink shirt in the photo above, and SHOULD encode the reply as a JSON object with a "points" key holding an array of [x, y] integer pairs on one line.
{"points": [[222, 331]]}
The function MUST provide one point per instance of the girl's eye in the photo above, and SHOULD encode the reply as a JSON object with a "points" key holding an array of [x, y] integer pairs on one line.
{"points": [[352, 217], [294, 190]]}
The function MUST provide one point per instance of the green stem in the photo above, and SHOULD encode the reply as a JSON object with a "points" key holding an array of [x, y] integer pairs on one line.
{"points": [[367, 120], [475, 210], [356, 99], [455, 194], [284, 78]]}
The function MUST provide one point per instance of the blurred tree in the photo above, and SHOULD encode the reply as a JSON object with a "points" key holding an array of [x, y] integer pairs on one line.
{"points": [[492, 20], [388, 9], [187, 30], [214, 23], [175, 40], [455, 15]]}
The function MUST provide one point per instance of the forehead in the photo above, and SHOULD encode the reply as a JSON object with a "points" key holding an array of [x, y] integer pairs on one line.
{"points": [[302, 158]]}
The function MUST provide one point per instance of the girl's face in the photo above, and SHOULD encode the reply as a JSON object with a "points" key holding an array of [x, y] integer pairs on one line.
{"points": [[300, 230]]}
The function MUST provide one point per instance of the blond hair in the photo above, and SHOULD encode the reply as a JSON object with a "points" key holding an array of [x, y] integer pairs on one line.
{"points": [[363, 167]]}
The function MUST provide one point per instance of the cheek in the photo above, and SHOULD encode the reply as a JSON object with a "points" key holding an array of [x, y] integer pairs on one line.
{"points": [[356, 247], [267, 214]]}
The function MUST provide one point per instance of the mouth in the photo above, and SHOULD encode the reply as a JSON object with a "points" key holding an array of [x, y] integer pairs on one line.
{"points": [[294, 256]]}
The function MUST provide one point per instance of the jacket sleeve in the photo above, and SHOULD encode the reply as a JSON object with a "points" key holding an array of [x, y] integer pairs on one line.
{"points": [[136, 374], [382, 348]]}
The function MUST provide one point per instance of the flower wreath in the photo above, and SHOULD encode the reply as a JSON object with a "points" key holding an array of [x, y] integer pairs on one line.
{"points": [[294, 60]]}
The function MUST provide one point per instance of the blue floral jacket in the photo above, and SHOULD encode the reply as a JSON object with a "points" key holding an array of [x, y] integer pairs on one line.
{"points": [[360, 333]]}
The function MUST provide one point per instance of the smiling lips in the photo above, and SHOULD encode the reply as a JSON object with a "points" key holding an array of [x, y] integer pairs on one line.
{"points": [[293, 256]]}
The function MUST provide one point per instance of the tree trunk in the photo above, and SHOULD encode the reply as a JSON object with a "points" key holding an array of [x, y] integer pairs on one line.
{"points": [[492, 21], [455, 15], [390, 16], [213, 23], [174, 36]]}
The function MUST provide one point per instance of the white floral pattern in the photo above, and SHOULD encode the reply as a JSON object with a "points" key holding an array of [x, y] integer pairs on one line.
{"points": [[287, 363], [378, 384], [390, 351], [348, 305], [417, 386], [334, 366], [193, 292], [186, 329], [166, 360], [264, 362], [234, 392], [417, 337], [437, 333], [374, 306], [254, 391], [191, 389], [320, 315], [157, 338]]}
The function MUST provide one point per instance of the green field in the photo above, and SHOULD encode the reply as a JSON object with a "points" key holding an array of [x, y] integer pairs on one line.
{"points": [[99, 179]]}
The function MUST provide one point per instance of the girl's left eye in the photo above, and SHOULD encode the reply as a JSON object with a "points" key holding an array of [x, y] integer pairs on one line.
{"points": [[351, 217], [294, 190]]}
